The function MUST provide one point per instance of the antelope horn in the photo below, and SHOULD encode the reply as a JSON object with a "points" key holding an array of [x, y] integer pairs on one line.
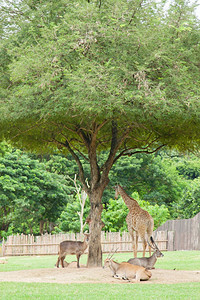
{"points": [[153, 243], [109, 254], [150, 245], [112, 254]]}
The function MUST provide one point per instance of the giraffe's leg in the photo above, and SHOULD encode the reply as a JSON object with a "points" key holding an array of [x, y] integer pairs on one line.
{"points": [[133, 244], [134, 236], [144, 243], [136, 244], [149, 251], [149, 234], [131, 232], [149, 246]]}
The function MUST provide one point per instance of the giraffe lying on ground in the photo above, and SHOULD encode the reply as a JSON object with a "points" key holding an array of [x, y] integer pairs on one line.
{"points": [[139, 221]]}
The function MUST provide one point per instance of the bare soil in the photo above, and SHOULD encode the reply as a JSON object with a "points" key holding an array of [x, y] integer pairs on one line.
{"points": [[72, 274]]}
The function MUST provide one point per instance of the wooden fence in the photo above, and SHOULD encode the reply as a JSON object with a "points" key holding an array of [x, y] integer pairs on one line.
{"points": [[186, 233], [173, 235], [48, 244]]}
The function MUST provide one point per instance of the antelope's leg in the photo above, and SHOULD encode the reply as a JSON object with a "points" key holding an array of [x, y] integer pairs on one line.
{"points": [[137, 277], [119, 276], [58, 262], [78, 257], [62, 261]]}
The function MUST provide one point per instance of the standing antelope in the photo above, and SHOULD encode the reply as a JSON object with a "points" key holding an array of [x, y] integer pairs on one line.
{"points": [[139, 221], [72, 247], [147, 262], [127, 271]]}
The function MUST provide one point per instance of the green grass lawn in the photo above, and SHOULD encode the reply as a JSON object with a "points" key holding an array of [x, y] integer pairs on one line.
{"points": [[180, 260], [25, 291]]}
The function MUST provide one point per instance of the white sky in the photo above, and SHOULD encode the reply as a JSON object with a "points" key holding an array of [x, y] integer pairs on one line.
{"points": [[198, 10], [192, 1]]}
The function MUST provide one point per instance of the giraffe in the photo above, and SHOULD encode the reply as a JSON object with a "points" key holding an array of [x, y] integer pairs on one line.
{"points": [[139, 221]]}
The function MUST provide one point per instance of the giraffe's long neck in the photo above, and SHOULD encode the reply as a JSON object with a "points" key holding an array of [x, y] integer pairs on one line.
{"points": [[130, 202]]}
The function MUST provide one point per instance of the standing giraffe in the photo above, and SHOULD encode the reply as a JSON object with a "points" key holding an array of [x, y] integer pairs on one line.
{"points": [[140, 223]]}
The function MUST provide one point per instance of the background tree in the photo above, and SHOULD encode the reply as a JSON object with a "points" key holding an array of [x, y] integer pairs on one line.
{"points": [[29, 195], [82, 197], [86, 79], [155, 177], [69, 220], [188, 206]]}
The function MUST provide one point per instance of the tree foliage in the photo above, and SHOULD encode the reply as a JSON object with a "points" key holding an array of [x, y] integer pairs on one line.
{"points": [[29, 195], [188, 205], [123, 56]]}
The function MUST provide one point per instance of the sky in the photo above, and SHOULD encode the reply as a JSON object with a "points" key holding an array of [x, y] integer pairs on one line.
{"points": [[193, 1], [198, 10]]}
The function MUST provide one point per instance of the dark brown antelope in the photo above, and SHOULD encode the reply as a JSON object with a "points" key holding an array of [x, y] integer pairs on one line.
{"points": [[147, 262], [72, 247]]}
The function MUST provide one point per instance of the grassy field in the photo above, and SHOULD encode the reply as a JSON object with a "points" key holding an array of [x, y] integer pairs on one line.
{"points": [[48, 291], [180, 260]]}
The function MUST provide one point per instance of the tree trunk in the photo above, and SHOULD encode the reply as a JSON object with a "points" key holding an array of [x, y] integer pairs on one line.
{"points": [[41, 227], [51, 226], [31, 229], [95, 224]]}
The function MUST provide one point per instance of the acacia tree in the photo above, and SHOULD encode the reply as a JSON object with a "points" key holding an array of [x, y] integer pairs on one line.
{"points": [[84, 76]]}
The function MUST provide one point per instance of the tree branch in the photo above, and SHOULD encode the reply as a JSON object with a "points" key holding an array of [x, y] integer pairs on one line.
{"points": [[75, 156], [126, 152], [133, 15], [90, 140], [115, 145], [37, 124]]}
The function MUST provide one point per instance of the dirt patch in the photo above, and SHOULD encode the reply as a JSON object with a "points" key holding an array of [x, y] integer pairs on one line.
{"points": [[94, 275]]}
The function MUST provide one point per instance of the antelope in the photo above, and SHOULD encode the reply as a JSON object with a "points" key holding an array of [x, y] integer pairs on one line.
{"points": [[127, 271], [72, 247], [147, 262]]}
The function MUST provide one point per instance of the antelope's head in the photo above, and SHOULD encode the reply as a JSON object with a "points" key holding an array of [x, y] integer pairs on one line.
{"points": [[107, 262], [86, 237], [157, 252]]}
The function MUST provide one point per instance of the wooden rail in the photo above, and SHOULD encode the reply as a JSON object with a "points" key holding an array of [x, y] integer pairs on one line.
{"points": [[48, 244]]}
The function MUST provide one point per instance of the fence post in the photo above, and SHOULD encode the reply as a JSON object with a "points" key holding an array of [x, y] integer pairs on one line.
{"points": [[3, 247], [170, 238]]}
